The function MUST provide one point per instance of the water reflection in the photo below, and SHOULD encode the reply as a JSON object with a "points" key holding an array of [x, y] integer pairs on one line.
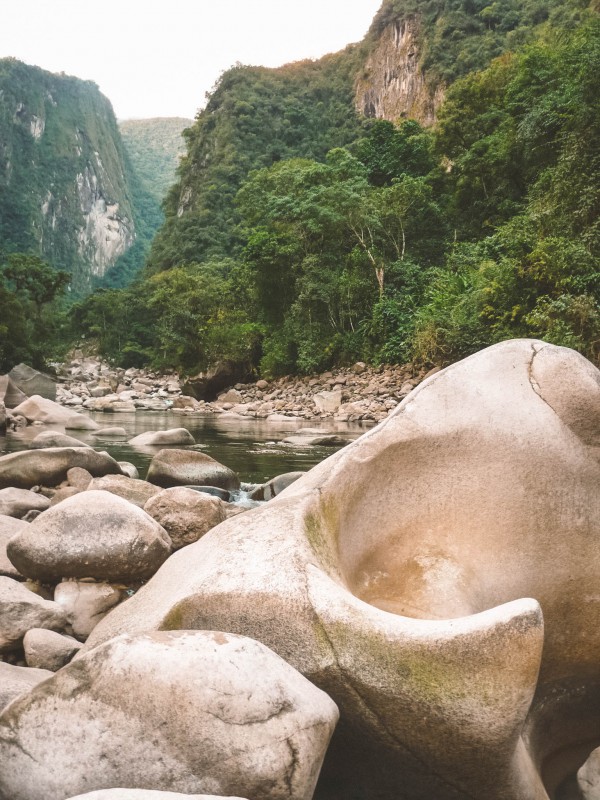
{"points": [[252, 448]]}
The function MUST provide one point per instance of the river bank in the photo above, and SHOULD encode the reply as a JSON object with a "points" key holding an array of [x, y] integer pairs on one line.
{"points": [[346, 394]]}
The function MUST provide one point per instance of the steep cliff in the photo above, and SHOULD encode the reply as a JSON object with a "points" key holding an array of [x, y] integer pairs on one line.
{"points": [[64, 176]]}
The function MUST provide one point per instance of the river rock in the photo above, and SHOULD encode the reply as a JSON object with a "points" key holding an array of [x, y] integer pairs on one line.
{"points": [[180, 711], [129, 469], [32, 382], [16, 681], [41, 409], [85, 603], [62, 494], [17, 502], [9, 526], [328, 402], [111, 433], [130, 489], [48, 650], [275, 486], [161, 438], [145, 794], [81, 422], [231, 396], [185, 514], [93, 534], [50, 465], [55, 439], [180, 467], [79, 478], [10, 394], [406, 575], [21, 610]]}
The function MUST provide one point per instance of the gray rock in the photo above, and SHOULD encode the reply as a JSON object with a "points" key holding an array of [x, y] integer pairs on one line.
{"points": [[21, 610], [161, 438], [275, 486], [32, 382], [10, 393], [41, 409], [55, 439], [17, 681], [328, 402], [129, 469], [130, 489], [186, 515], [49, 466], [79, 478], [93, 534], [85, 603], [80, 422], [182, 711], [17, 502], [181, 467], [48, 650], [111, 433]]}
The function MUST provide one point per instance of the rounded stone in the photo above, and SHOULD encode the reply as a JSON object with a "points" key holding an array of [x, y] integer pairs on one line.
{"points": [[48, 650], [182, 711], [161, 438], [16, 681], [92, 534], [17, 502], [21, 610], [180, 467], [185, 514]]}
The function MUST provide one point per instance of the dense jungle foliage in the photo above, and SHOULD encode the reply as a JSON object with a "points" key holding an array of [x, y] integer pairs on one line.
{"points": [[299, 236]]}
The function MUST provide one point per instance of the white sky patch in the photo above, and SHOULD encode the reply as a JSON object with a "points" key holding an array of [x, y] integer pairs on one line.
{"points": [[158, 58]]}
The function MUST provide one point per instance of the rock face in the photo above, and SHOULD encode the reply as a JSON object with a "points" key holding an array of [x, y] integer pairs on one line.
{"points": [[31, 382], [396, 576], [50, 465], [21, 610], [162, 438], [92, 534], [183, 711], [183, 467], [185, 514], [207, 386]]}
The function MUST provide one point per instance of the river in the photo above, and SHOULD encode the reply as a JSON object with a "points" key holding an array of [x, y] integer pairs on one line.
{"points": [[252, 448]]}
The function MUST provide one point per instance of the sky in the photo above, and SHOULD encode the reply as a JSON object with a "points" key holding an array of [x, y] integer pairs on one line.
{"points": [[158, 58]]}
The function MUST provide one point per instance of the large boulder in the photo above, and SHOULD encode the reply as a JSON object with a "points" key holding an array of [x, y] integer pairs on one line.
{"points": [[16, 681], [55, 439], [185, 514], [85, 603], [130, 489], [200, 712], [183, 467], [21, 610], [17, 502], [40, 409], [10, 394], [93, 534], [162, 438], [407, 574], [48, 650], [32, 382], [49, 466]]}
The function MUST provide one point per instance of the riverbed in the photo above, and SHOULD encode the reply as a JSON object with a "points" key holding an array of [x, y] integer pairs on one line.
{"points": [[251, 447]]}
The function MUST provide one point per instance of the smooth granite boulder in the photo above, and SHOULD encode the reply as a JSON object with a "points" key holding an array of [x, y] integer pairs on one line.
{"points": [[32, 382], [9, 526], [48, 650], [162, 438], [21, 610], [50, 465], [185, 514], [438, 578], [55, 439], [184, 711], [181, 467], [93, 534], [85, 603], [17, 502], [41, 409], [16, 681]]}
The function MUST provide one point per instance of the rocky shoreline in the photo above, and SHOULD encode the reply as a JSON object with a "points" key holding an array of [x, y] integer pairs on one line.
{"points": [[347, 394]]}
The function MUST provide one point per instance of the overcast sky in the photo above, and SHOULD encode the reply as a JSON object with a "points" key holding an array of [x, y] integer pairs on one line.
{"points": [[158, 58]]}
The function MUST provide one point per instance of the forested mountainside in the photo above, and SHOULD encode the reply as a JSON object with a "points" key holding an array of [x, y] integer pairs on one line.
{"points": [[65, 181], [154, 147], [302, 233]]}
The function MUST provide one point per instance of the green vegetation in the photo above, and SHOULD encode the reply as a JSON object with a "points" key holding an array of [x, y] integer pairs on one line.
{"points": [[299, 236]]}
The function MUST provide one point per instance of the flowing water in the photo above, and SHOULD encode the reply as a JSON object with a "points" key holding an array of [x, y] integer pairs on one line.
{"points": [[252, 448]]}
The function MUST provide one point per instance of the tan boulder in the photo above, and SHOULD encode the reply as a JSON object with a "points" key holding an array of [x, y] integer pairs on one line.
{"points": [[55, 439], [48, 650], [9, 526], [17, 502], [183, 711], [183, 467], [161, 438], [92, 534], [130, 489], [407, 575], [85, 603], [50, 465], [16, 681], [186, 514], [21, 610]]}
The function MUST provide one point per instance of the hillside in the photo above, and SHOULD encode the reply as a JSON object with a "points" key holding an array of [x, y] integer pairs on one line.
{"points": [[154, 147], [65, 181]]}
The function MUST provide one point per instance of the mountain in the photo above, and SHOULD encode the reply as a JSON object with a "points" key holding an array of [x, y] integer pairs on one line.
{"points": [[154, 147], [67, 189]]}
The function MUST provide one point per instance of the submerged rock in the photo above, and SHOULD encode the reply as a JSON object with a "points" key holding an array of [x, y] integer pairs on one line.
{"points": [[162, 438], [183, 711]]}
